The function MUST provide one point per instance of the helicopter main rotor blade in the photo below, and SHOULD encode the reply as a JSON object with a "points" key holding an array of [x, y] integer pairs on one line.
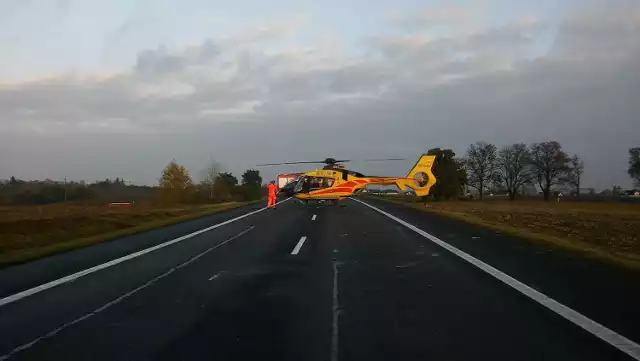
{"points": [[326, 161], [305, 162], [330, 161], [382, 160]]}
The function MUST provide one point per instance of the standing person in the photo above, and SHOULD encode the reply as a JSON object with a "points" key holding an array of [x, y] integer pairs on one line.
{"points": [[271, 189]]}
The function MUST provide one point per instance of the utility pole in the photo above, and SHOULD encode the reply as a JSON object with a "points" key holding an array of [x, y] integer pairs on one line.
{"points": [[65, 189]]}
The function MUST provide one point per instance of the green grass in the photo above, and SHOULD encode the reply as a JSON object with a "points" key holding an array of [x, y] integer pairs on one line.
{"points": [[608, 232], [29, 233]]}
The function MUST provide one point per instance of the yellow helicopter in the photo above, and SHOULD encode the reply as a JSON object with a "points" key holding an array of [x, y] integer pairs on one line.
{"points": [[335, 183]]}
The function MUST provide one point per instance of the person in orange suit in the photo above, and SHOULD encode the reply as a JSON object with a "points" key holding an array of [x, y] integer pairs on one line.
{"points": [[272, 190]]}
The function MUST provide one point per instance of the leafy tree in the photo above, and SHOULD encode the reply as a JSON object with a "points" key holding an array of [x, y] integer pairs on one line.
{"points": [[450, 174], [252, 178], [634, 165], [575, 171], [13, 181], [228, 179], [513, 168], [480, 165], [225, 184], [247, 192], [175, 176], [549, 163], [175, 181]]}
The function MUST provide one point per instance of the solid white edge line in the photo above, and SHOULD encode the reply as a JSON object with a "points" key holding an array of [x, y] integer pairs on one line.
{"points": [[313, 218], [299, 245], [72, 277], [611, 337]]}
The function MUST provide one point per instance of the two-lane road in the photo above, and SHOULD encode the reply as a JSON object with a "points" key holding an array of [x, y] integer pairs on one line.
{"points": [[296, 283]]}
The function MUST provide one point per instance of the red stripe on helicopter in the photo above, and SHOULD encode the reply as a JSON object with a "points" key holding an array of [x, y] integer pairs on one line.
{"points": [[334, 190]]}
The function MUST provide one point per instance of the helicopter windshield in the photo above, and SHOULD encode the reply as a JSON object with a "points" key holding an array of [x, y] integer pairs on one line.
{"points": [[299, 183]]}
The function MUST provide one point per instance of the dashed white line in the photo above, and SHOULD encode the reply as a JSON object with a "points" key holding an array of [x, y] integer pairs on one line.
{"points": [[214, 276], [611, 337], [296, 249], [119, 299], [336, 315], [116, 261], [313, 218]]}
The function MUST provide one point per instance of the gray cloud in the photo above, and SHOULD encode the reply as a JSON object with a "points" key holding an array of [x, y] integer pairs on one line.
{"points": [[155, 62], [63, 5], [410, 93]]}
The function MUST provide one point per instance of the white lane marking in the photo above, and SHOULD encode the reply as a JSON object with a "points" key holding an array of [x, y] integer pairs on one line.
{"points": [[296, 249], [73, 277], [611, 337], [313, 218], [214, 276], [336, 314], [120, 298]]}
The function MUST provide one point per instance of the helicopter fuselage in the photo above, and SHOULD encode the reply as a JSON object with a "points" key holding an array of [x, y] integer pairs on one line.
{"points": [[334, 182]]}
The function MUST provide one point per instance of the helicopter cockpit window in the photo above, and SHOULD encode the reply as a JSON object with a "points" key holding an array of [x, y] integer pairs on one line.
{"points": [[308, 184], [321, 182], [327, 182]]}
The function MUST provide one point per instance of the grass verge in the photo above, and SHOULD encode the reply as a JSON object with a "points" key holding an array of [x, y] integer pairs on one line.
{"points": [[606, 232], [27, 234]]}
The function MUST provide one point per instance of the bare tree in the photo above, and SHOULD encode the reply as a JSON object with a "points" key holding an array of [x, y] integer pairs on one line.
{"points": [[210, 176], [575, 171], [549, 165], [513, 167], [480, 165]]}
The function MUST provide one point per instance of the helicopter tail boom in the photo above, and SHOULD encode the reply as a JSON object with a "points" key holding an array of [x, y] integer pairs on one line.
{"points": [[420, 178]]}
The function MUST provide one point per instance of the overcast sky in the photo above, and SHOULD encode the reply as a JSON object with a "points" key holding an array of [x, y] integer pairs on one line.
{"points": [[103, 88]]}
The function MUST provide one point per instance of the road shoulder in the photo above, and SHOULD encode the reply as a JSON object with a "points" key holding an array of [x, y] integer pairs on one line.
{"points": [[20, 277], [607, 294]]}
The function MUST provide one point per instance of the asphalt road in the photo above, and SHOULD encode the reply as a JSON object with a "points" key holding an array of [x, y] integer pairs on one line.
{"points": [[313, 283]]}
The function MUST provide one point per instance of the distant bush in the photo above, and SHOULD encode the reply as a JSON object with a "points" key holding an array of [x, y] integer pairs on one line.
{"points": [[244, 193]]}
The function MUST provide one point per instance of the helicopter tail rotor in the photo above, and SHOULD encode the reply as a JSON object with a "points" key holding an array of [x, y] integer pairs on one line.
{"points": [[420, 178]]}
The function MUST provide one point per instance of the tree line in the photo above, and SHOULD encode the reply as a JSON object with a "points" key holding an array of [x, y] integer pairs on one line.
{"points": [[37, 192], [174, 186], [484, 167], [512, 168]]}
